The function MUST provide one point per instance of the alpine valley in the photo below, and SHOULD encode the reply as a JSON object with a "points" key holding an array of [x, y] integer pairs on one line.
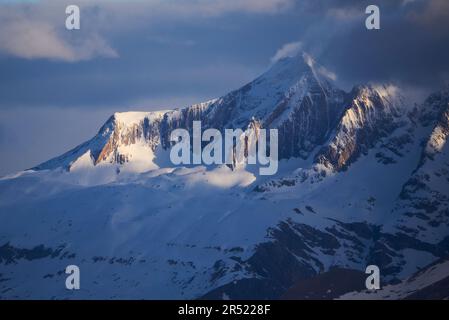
{"points": [[363, 179]]}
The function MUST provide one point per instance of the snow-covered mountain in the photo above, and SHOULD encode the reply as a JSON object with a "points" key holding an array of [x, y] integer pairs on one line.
{"points": [[362, 180], [293, 96]]}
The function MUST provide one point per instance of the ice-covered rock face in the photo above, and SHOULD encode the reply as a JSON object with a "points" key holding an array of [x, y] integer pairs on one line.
{"points": [[130, 129], [125, 137], [439, 136], [293, 96], [372, 113], [424, 198], [435, 116], [271, 97]]}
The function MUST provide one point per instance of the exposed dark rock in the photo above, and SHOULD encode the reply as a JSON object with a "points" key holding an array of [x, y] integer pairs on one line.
{"points": [[10, 254], [327, 285]]}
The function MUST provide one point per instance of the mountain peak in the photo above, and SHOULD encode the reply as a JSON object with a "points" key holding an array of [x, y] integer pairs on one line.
{"points": [[134, 117], [124, 136], [273, 96], [295, 67]]}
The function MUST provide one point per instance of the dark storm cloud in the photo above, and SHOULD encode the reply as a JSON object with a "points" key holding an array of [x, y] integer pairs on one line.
{"points": [[411, 48], [150, 51]]}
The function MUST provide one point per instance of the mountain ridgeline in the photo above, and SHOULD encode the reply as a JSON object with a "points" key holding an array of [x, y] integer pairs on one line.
{"points": [[313, 118]]}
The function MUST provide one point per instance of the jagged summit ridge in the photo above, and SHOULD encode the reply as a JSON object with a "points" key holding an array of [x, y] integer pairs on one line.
{"points": [[296, 95], [272, 95], [372, 112]]}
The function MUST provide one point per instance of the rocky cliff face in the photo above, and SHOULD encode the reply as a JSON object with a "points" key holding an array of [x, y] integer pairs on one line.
{"points": [[424, 198], [294, 96], [371, 114], [126, 130], [122, 130]]}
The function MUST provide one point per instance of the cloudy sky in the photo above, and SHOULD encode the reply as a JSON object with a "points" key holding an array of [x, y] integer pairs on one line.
{"points": [[57, 86]]}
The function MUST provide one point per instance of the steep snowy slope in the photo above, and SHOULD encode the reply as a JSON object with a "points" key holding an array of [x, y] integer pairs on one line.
{"points": [[422, 207], [294, 95], [373, 113]]}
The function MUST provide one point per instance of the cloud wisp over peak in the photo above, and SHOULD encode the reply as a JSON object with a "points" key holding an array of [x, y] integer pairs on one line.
{"points": [[290, 49]]}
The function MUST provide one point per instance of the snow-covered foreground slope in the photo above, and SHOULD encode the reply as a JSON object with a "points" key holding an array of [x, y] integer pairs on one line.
{"points": [[361, 181], [147, 237]]}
